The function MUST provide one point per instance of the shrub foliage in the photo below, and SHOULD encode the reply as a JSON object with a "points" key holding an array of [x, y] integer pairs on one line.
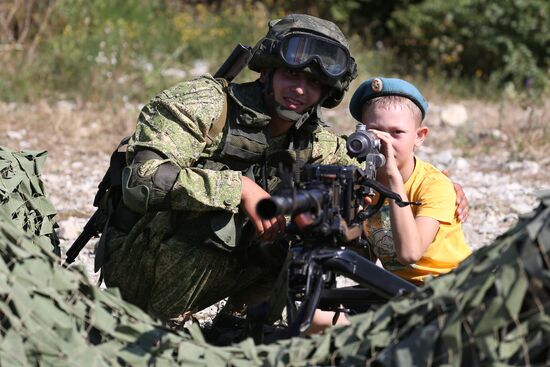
{"points": [[505, 41], [104, 49]]}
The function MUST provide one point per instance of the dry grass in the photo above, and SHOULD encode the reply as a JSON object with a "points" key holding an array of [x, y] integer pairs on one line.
{"points": [[79, 141], [65, 127]]}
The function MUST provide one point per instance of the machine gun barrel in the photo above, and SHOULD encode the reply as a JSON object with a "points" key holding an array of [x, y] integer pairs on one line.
{"points": [[236, 62], [91, 229], [299, 202]]}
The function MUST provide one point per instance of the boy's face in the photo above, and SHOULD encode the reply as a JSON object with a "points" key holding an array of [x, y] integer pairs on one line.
{"points": [[295, 90], [401, 127]]}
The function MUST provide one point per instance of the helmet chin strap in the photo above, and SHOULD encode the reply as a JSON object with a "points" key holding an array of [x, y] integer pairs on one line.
{"points": [[285, 113]]}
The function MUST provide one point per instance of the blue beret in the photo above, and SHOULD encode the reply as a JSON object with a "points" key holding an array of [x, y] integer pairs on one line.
{"points": [[377, 87]]}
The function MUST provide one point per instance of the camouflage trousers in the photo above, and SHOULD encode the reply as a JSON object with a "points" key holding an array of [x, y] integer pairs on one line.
{"points": [[169, 276]]}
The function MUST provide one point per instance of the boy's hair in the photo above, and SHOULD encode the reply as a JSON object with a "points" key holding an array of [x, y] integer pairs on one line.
{"points": [[396, 101]]}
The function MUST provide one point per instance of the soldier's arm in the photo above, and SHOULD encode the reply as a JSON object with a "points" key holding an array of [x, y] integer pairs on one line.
{"points": [[266, 229], [462, 208], [168, 141]]}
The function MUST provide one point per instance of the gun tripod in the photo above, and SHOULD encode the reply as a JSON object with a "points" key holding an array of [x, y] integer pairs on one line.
{"points": [[312, 281]]}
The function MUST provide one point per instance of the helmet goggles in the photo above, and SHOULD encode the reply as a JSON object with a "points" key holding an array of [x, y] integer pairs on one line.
{"points": [[299, 49]]}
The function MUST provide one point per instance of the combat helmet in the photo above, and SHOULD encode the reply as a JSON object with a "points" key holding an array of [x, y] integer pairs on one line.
{"points": [[311, 44]]}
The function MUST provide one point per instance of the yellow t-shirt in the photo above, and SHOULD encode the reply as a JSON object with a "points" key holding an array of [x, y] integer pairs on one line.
{"points": [[435, 192]]}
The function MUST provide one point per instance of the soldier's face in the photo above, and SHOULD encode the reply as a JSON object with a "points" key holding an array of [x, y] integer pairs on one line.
{"points": [[296, 90]]}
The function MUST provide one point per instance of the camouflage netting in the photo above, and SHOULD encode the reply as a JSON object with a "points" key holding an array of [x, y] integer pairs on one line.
{"points": [[492, 310], [22, 194], [50, 315]]}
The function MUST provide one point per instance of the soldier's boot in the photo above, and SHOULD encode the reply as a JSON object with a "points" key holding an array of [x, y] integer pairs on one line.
{"points": [[226, 328], [260, 327], [234, 324]]}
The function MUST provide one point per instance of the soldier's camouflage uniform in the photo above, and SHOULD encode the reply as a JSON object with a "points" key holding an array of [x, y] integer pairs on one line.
{"points": [[197, 250]]}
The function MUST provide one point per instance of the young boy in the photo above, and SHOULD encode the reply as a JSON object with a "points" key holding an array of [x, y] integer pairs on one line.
{"points": [[414, 241], [419, 240]]}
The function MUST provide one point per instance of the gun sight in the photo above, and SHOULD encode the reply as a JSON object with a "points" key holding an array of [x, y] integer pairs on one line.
{"points": [[364, 145]]}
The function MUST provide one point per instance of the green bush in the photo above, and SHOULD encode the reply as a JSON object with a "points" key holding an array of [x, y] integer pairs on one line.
{"points": [[488, 45], [105, 49], [504, 43], [109, 49]]}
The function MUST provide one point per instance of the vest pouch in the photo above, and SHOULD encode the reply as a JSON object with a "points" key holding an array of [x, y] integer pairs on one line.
{"points": [[248, 144], [228, 228], [135, 198]]}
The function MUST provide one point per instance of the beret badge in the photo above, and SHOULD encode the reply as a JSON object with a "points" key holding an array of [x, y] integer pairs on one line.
{"points": [[377, 85]]}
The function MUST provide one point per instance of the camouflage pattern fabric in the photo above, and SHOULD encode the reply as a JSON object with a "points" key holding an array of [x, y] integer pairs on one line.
{"points": [[22, 194], [175, 123], [492, 310], [180, 260]]}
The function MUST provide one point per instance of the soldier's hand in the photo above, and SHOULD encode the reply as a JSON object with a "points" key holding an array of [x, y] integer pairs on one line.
{"points": [[266, 229], [461, 201]]}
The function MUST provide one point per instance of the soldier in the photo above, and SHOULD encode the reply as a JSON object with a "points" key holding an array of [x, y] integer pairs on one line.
{"points": [[204, 153]]}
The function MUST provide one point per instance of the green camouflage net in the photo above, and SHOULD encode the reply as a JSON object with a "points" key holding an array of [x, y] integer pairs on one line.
{"points": [[53, 316], [493, 310], [22, 194]]}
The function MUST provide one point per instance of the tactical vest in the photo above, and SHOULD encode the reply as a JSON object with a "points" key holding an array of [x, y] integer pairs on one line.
{"points": [[245, 145]]}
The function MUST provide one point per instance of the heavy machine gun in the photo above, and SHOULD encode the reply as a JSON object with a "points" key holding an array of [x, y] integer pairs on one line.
{"points": [[326, 209]]}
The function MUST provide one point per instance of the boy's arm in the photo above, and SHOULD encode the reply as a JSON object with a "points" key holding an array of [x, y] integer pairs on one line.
{"points": [[411, 236]]}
